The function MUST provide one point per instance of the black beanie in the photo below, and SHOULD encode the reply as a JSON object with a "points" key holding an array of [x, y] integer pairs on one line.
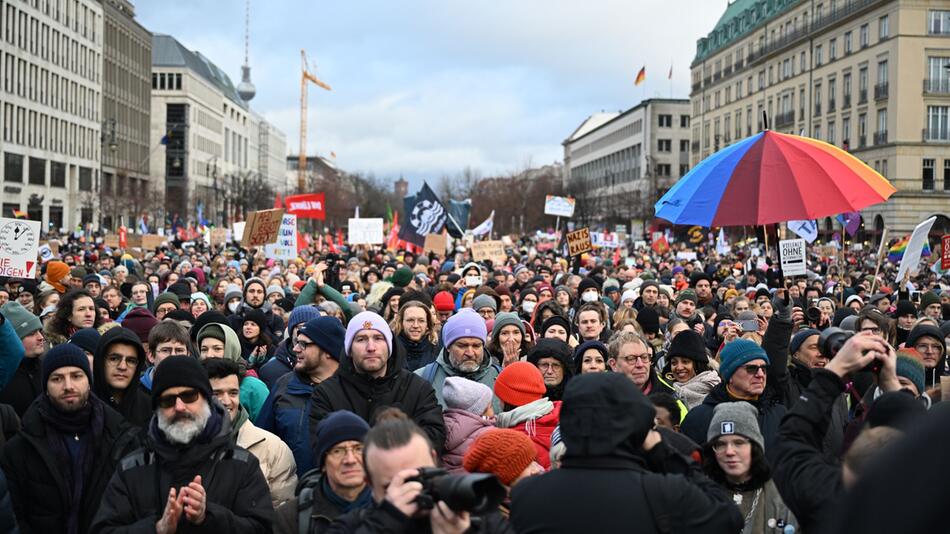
{"points": [[688, 344], [208, 317], [552, 348], [905, 307], [555, 320], [649, 320], [65, 355], [179, 371], [585, 284]]}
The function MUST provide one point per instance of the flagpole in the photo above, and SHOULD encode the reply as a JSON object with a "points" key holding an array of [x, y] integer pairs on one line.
{"points": [[880, 257]]}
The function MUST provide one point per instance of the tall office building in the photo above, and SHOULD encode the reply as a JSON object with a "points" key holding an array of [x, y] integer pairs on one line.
{"points": [[870, 76]]}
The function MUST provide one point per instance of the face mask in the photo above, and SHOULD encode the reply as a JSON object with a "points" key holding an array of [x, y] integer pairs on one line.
{"points": [[590, 296], [234, 306], [473, 281], [528, 306], [154, 289]]}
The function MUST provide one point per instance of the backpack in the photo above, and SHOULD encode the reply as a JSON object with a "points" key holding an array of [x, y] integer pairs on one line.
{"points": [[306, 486]]}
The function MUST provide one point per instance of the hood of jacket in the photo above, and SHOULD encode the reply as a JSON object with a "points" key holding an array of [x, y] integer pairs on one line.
{"points": [[460, 425], [110, 337], [232, 345], [445, 363]]}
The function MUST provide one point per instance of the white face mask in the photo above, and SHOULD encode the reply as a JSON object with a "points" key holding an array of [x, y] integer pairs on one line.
{"points": [[528, 306], [473, 281], [234, 306], [590, 296]]}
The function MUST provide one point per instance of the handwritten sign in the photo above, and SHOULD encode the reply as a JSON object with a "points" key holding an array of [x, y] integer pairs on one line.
{"points": [[493, 251], [578, 242], [365, 231], [435, 243], [218, 236], [111, 241], [262, 227], [19, 241], [286, 246], [559, 206]]}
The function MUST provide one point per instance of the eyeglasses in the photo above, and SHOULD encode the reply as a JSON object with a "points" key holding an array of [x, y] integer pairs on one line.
{"points": [[738, 443], [188, 396], [872, 330], [338, 453], [304, 345], [115, 359], [643, 358], [549, 366], [172, 351], [928, 347], [753, 369]]}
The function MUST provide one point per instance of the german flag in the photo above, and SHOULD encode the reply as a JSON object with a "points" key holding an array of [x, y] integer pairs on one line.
{"points": [[641, 76]]}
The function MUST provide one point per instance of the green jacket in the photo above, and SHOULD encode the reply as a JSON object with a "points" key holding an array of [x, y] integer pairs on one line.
{"points": [[309, 292]]}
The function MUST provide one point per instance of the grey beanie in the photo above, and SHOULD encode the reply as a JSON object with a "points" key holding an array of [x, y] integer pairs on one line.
{"points": [[464, 394], [23, 322], [484, 301], [740, 418]]}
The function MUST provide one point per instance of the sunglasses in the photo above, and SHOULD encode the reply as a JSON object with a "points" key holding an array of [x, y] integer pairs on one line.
{"points": [[754, 369], [188, 396]]}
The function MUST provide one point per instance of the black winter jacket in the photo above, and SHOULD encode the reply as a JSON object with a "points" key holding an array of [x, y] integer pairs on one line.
{"points": [[281, 364], [366, 396], [7, 518], [136, 404], [386, 518], [810, 483], [37, 484], [237, 498], [25, 386]]}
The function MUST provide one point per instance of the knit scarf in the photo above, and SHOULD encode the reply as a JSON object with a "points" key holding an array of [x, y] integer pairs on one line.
{"points": [[363, 500], [238, 422], [528, 412], [84, 426]]}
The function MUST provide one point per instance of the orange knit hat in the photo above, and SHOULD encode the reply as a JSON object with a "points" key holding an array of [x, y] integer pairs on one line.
{"points": [[55, 272], [502, 452], [519, 383]]}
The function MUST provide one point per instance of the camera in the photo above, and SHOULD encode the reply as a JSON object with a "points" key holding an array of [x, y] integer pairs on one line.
{"points": [[474, 493], [813, 314], [833, 338]]}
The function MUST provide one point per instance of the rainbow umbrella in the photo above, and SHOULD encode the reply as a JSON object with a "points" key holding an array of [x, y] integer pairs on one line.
{"points": [[772, 177]]}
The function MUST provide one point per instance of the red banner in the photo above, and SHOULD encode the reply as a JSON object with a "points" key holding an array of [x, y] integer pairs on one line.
{"points": [[945, 254], [309, 206], [123, 238]]}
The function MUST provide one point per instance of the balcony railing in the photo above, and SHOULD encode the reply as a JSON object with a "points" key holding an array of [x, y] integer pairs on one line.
{"points": [[938, 86], [862, 141], [880, 138], [862, 96], [784, 119], [817, 110], [937, 134], [880, 91], [846, 102], [831, 106]]}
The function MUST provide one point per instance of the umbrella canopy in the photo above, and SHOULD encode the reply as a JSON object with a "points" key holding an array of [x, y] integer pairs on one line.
{"points": [[772, 177]]}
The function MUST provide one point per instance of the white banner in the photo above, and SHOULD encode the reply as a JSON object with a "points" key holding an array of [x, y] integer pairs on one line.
{"points": [[365, 232], [486, 227], [604, 239], [915, 247], [559, 206], [792, 256], [808, 230]]}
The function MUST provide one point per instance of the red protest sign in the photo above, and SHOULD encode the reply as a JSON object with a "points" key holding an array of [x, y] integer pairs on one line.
{"points": [[945, 255], [309, 206]]}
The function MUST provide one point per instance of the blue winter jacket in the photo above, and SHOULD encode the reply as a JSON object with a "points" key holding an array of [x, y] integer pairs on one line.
{"points": [[286, 413]]}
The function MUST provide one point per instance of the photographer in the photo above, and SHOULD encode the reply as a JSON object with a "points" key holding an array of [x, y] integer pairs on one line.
{"points": [[810, 482], [394, 451]]}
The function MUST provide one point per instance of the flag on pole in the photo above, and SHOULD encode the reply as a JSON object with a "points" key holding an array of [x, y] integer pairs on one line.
{"points": [[807, 229], [851, 222], [425, 215], [896, 252], [641, 76], [486, 227], [670, 77], [278, 203], [457, 222], [19, 214]]}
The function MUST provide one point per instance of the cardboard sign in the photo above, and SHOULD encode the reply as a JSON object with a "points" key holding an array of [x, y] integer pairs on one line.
{"points": [[286, 246], [559, 206], [152, 241], [219, 236], [261, 227], [489, 250], [435, 243], [945, 254], [915, 248], [792, 255], [365, 232], [578, 242], [237, 230], [111, 240], [19, 241]]}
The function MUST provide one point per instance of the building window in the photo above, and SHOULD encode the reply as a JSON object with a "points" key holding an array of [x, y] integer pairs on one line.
{"points": [[57, 174], [816, 134], [928, 174], [666, 121], [13, 168], [833, 50], [819, 56], [684, 169], [802, 66], [831, 132], [846, 90], [664, 145], [883, 28], [939, 22], [663, 169], [85, 179], [684, 121], [862, 130], [37, 171], [864, 35], [684, 145], [847, 43], [863, 85], [938, 123], [846, 132], [938, 75]]}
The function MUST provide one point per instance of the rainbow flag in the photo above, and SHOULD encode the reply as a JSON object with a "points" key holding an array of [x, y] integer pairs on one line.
{"points": [[641, 76], [896, 252], [19, 214]]}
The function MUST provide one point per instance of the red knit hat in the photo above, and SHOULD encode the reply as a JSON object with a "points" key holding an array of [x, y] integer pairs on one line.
{"points": [[443, 301], [503, 452], [519, 383]]}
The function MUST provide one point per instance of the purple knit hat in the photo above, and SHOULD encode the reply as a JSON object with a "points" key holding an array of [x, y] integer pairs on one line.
{"points": [[367, 321], [465, 323], [464, 394]]}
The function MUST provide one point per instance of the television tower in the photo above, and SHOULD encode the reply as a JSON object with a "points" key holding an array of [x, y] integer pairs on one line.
{"points": [[246, 89]]}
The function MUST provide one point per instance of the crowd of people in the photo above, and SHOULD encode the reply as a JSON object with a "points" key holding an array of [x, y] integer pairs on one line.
{"points": [[217, 390]]}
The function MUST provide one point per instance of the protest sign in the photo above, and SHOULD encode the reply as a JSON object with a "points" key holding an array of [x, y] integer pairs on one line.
{"points": [[604, 239], [792, 256], [914, 249], [578, 242], [262, 227], [309, 206], [219, 236], [285, 248], [945, 254], [152, 241], [559, 206], [111, 240], [489, 250], [365, 231], [435, 243], [237, 230], [19, 241]]}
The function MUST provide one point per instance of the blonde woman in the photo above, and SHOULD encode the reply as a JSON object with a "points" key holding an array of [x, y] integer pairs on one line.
{"points": [[416, 328]]}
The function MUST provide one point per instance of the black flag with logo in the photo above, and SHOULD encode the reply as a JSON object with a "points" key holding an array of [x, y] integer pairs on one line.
{"points": [[425, 215]]}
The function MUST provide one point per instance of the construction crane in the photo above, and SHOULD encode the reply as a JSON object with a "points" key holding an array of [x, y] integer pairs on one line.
{"points": [[305, 76]]}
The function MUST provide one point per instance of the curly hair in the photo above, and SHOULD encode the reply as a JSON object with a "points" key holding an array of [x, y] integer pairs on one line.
{"points": [[60, 322], [431, 334]]}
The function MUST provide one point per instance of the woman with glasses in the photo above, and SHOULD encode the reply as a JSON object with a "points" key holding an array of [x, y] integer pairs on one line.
{"points": [[734, 457], [414, 327]]}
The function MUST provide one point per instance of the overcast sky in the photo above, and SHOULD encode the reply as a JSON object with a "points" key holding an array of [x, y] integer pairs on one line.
{"points": [[423, 88]]}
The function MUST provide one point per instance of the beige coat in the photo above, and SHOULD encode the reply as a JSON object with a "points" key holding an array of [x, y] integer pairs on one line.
{"points": [[275, 458]]}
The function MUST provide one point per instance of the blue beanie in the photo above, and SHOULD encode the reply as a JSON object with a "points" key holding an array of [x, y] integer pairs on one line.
{"points": [[65, 355], [86, 338], [300, 315], [327, 333], [465, 323], [800, 338], [737, 353], [337, 427]]}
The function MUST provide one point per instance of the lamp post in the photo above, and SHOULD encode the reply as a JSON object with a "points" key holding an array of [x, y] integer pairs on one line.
{"points": [[107, 137]]}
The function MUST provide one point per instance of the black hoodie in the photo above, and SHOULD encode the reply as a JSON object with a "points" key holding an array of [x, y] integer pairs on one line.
{"points": [[135, 404], [604, 421], [366, 396]]}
